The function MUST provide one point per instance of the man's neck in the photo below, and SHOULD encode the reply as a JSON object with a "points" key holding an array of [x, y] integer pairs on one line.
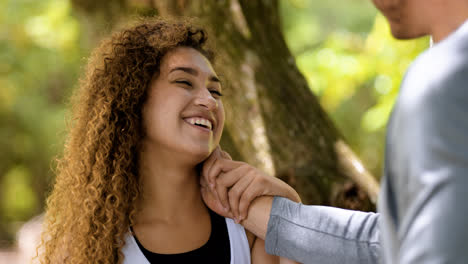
{"points": [[447, 17]]}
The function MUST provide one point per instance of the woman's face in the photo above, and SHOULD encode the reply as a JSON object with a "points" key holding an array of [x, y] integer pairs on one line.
{"points": [[184, 114]]}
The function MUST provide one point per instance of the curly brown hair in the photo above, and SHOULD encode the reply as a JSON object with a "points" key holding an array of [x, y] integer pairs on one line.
{"points": [[93, 201]]}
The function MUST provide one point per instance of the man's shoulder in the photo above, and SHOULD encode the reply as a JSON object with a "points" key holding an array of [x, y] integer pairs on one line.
{"points": [[438, 76]]}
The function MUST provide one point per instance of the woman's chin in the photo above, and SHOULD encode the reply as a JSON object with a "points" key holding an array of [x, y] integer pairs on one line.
{"points": [[203, 157], [198, 157], [195, 153]]}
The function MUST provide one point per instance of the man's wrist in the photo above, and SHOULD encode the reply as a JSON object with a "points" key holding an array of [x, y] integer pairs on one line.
{"points": [[258, 216]]}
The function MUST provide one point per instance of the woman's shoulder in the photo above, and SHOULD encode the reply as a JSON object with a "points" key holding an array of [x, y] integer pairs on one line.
{"points": [[131, 251], [250, 237], [241, 242]]}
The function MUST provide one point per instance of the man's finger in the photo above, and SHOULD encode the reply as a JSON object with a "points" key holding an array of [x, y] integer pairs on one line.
{"points": [[209, 163], [203, 182], [231, 176], [251, 192], [226, 155], [236, 192], [221, 165], [221, 193], [214, 204], [224, 182]]}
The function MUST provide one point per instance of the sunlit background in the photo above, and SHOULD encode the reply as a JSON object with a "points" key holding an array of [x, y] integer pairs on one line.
{"points": [[342, 47]]}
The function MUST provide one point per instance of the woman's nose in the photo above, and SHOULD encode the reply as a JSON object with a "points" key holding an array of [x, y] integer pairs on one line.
{"points": [[206, 99]]}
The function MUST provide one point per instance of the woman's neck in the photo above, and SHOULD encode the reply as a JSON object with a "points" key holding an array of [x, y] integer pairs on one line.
{"points": [[170, 188]]}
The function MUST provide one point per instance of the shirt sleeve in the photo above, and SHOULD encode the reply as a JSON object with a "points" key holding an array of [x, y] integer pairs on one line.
{"points": [[320, 234]]}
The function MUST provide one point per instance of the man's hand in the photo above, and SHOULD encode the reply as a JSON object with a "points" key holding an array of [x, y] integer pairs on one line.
{"points": [[230, 186], [212, 201], [209, 196]]}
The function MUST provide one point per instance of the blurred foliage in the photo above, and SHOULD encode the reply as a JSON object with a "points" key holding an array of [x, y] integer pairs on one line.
{"points": [[39, 60], [343, 49], [353, 64]]}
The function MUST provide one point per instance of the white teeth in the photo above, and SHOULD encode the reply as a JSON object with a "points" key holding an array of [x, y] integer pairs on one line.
{"points": [[200, 121]]}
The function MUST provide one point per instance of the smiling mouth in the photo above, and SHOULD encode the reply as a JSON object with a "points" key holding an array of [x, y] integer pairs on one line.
{"points": [[200, 122]]}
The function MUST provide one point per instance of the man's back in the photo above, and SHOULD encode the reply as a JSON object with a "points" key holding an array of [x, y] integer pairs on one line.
{"points": [[423, 213], [426, 170]]}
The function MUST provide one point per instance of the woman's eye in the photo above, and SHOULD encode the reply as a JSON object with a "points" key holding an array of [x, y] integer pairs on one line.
{"points": [[184, 82], [216, 92]]}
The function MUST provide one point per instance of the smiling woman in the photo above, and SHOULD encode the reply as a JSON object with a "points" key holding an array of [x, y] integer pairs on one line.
{"points": [[188, 92], [146, 116]]}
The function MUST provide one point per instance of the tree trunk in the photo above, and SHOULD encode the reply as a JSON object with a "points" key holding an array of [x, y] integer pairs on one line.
{"points": [[273, 121]]}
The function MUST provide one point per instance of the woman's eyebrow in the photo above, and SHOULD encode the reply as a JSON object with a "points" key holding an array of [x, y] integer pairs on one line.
{"points": [[188, 70], [194, 72]]}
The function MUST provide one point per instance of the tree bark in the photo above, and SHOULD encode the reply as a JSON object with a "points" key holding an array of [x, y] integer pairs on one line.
{"points": [[273, 121]]}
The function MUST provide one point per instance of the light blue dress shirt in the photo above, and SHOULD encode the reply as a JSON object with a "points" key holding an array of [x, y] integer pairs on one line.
{"points": [[423, 205]]}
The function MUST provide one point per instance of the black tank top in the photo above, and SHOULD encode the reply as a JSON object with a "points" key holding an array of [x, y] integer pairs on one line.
{"points": [[216, 250]]}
